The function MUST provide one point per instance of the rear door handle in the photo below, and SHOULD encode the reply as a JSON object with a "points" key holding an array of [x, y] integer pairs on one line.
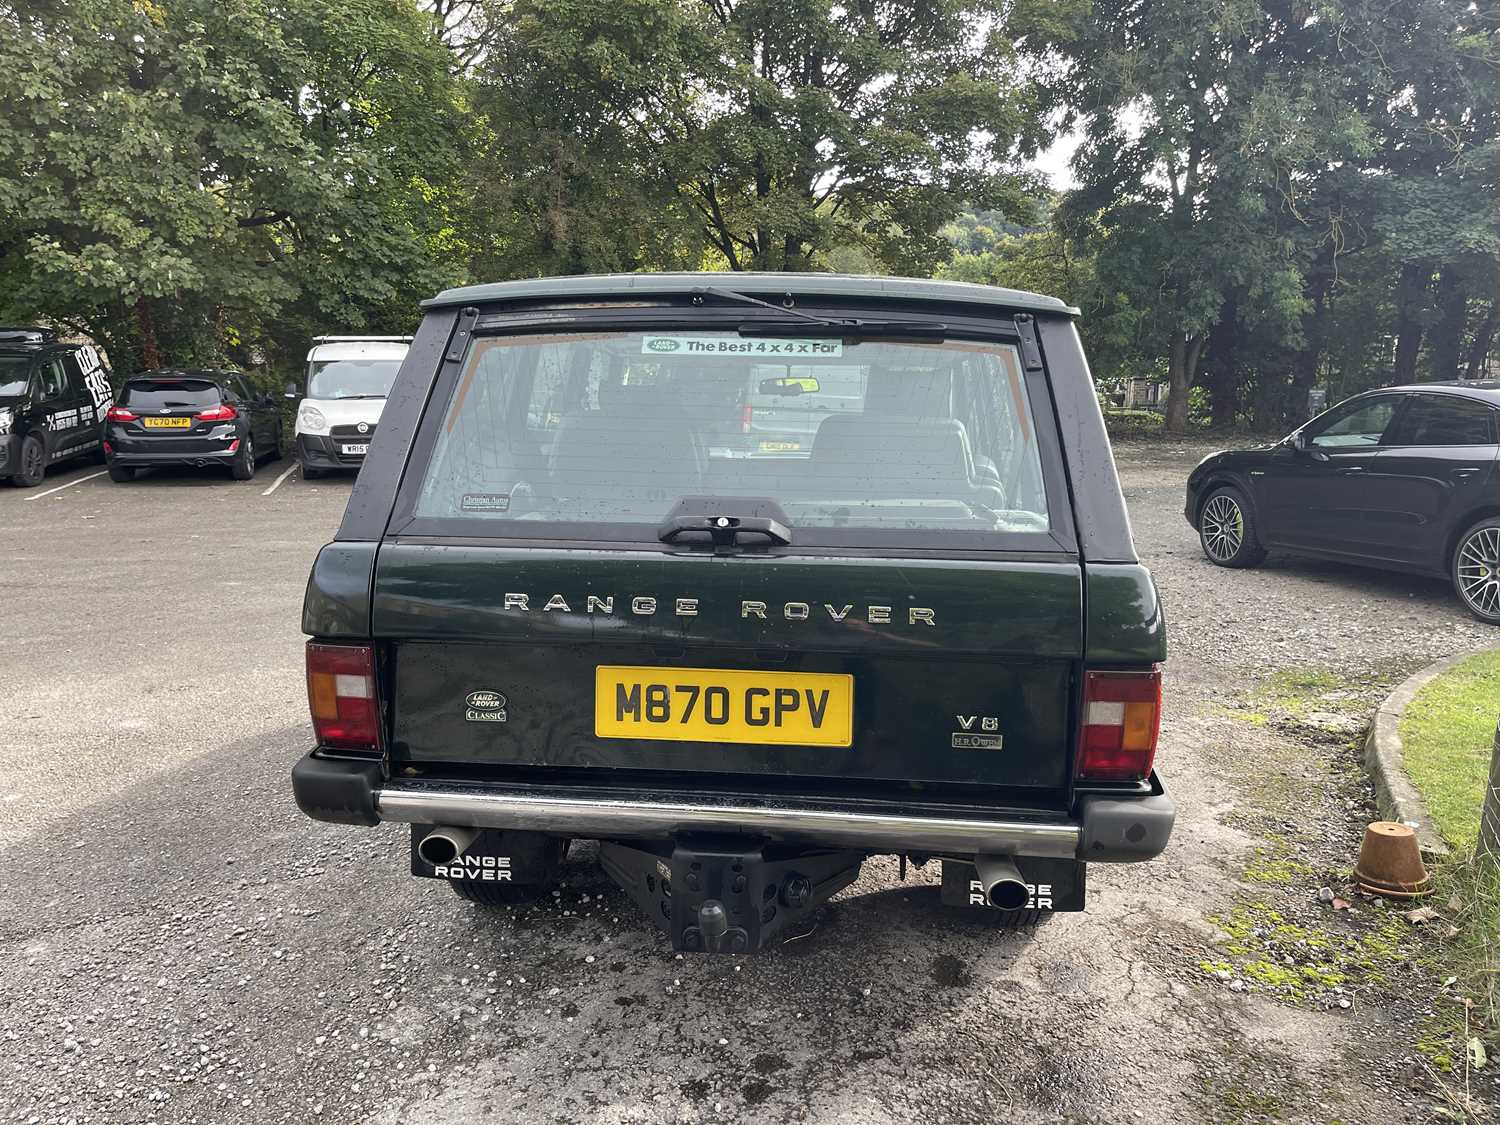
{"points": [[1350, 470], [1467, 471]]}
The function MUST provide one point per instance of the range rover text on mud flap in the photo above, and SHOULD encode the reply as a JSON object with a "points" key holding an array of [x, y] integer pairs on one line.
{"points": [[562, 606]]}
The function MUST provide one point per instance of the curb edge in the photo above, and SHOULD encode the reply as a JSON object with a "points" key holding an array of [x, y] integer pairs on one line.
{"points": [[1395, 795]]}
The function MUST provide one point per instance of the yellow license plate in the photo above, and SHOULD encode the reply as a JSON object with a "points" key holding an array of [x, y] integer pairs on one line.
{"points": [[167, 423], [780, 446], [718, 705]]}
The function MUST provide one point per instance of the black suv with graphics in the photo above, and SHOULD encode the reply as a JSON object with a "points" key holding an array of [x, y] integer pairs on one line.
{"points": [[561, 606], [53, 396], [191, 417]]}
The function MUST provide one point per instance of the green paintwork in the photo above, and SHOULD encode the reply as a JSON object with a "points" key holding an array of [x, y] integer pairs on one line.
{"points": [[1006, 641], [1126, 626]]}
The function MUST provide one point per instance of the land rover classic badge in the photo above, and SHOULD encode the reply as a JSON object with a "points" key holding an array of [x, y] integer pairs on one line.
{"points": [[484, 707]]}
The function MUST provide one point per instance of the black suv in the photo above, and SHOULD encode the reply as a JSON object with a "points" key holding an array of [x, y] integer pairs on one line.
{"points": [[191, 417], [558, 607], [53, 396], [1401, 478]]}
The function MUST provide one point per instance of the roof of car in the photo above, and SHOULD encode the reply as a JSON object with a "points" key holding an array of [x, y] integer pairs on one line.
{"points": [[1486, 389], [168, 374], [755, 284]]}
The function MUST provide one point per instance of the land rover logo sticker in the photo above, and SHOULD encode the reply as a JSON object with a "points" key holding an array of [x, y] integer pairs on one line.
{"points": [[484, 707], [730, 347]]}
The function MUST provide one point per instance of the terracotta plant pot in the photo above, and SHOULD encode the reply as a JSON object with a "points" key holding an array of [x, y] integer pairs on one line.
{"points": [[1389, 862]]}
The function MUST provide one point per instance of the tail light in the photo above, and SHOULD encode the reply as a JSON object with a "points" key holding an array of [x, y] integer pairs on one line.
{"points": [[119, 414], [234, 446], [1121, 721], [108, 448], [221, 413], [747, 415], [341, 694]]}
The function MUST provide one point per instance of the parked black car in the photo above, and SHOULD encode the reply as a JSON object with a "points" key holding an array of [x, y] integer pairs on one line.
{"points": [[191, 417], [53, 396], [1401, 478], [559, 606]]}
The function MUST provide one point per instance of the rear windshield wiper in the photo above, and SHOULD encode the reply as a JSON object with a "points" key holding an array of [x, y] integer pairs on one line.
{"points": [[826, 326], [846, 329]]}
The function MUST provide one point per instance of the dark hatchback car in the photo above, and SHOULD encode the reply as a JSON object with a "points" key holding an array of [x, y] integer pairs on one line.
{"points": [[559, 607], [1401, 478], [191, 417]]}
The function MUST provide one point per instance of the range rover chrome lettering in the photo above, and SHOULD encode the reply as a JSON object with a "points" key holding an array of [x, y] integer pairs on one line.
{"points": [[646, 605], [747, 577]]}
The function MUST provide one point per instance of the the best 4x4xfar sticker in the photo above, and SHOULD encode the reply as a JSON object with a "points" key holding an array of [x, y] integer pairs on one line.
{"points": [[711, 347]]}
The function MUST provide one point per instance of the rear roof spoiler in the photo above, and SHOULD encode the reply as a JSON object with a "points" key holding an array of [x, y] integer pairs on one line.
{"points": [[361, 339]]}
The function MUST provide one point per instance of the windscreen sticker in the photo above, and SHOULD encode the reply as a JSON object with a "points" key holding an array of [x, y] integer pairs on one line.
{"points": [[731, 347], [485, 502]]}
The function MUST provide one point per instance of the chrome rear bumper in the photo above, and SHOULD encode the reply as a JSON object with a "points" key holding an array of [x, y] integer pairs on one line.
{"points": [[609, 819], [1104, 828]]}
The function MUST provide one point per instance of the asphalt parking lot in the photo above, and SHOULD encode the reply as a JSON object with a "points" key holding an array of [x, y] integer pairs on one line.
{"points": [[178, 943]]}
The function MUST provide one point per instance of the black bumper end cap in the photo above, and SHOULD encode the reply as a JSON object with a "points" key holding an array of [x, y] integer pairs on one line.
{"points": [[337, 790], [1124, 829]]}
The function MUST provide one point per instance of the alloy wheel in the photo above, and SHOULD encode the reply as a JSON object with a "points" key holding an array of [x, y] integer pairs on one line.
{"points": [[1223, 528], [31, 464], [1478, 571]]}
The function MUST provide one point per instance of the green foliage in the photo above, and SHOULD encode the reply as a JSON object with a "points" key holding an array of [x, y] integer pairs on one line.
{"points": [[1447, 736], [180, 176], [750, 134]]}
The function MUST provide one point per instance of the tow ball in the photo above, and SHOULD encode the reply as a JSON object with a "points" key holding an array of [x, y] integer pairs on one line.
{"points": [[727, 895]]}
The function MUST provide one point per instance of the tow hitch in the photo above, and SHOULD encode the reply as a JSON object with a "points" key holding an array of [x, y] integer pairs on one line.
{"points": [[727, 894]]}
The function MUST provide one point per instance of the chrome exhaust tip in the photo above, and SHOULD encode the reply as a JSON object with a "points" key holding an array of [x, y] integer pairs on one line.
{"points": [[1002, 882], [444, 844]]}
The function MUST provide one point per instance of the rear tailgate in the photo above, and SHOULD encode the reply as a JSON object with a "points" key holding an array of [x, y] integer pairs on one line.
{"points": [[952, 671]]}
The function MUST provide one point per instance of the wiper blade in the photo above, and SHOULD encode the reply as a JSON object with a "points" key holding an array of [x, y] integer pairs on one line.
{"points": [[744, 298], [846, 328]]}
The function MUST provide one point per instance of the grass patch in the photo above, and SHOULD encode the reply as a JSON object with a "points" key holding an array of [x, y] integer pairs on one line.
{"points": [[1446, 738]]}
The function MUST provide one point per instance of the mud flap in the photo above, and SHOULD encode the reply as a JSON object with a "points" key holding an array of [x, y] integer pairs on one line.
{"points": [[496, 856], [715, 895], [1056, 885]]}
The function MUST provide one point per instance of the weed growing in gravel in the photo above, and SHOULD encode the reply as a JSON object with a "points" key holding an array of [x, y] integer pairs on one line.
{"points": [[1302, 963]]}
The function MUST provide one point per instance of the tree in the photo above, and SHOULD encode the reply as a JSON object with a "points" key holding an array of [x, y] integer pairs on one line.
{"points": [[779, 132], [177, 174]]}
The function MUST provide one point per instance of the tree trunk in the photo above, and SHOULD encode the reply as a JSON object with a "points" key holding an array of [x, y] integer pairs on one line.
{"points": [[1219, 375], [1305, 360], [1489, 813], [1445, 346], [1409, 292], [145, 327], [1182, 367], [1484, 337]]}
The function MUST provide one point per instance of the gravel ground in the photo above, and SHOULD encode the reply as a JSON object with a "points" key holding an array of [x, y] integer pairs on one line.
{"points": [[179, 944]]}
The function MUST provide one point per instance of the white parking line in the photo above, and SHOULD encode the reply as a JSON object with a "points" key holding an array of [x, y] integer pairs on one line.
{"points": [[70, 484], [277, 482]]}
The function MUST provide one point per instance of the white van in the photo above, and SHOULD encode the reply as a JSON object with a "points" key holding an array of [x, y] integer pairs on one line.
{"points": [[348, 378]]}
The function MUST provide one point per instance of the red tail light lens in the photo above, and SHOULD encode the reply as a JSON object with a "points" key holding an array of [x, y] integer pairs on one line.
{"points": [[341, 695], [1121, 721], [221, 413], [747, 415], [119, 414]]}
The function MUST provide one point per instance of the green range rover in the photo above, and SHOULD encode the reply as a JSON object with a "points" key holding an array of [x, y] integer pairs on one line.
{"points": [[747, 577]]}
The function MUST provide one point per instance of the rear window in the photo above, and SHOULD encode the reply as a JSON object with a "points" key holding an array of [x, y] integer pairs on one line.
{"points": [[184, 394], [618, 427], [15, 372]]}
